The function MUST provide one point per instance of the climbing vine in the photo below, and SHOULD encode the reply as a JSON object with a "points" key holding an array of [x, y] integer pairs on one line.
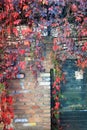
{"points": [[67, 18]]}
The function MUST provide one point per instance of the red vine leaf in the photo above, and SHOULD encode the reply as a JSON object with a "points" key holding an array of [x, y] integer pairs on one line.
{"points": [[58, 79], [22, 52], [84, 47], [74, 8], [26, 31], [10, 99], [3, 99], [22, 65], [55, 47], [28, 13], [8, 30], [57, 105], [16, 22], [15, 15], [15, 31]]}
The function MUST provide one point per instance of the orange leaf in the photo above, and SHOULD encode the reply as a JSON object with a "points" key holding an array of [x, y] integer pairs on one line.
{"points": [[83, 65], [27, 43], [25, 7]]}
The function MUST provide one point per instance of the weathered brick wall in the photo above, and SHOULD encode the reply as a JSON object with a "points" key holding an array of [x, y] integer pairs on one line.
{"points": [[32, 99]]}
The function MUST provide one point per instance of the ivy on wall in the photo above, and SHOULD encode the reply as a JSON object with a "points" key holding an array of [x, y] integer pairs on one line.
{"points": [[68, 17]]}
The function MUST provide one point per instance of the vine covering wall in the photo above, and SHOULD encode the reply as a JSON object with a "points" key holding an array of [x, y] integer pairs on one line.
{"points": [[66, 18]]}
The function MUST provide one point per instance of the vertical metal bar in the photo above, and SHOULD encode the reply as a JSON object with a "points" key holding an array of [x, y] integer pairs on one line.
{"points": [[51, 83]]}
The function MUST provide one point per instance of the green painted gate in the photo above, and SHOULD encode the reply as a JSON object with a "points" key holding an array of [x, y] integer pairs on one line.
{"points": [[74, 102]]}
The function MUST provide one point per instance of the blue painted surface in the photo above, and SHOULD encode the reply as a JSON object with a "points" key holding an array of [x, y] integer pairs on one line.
{"points": [[73, 90], [73, 114]]}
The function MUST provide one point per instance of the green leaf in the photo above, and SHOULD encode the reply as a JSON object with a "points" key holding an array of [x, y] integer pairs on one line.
{"points": [[1, 87], [54, 96], [57, 116]]}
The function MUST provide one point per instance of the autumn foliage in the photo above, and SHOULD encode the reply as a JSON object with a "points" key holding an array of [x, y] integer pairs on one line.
{"points": [[67, 16]]}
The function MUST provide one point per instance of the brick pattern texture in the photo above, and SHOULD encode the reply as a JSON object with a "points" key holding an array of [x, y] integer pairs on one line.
{"points": [[32, 100]]}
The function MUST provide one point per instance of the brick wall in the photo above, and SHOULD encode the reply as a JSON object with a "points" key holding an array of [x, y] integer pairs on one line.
{"points": [[32, 99]]}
